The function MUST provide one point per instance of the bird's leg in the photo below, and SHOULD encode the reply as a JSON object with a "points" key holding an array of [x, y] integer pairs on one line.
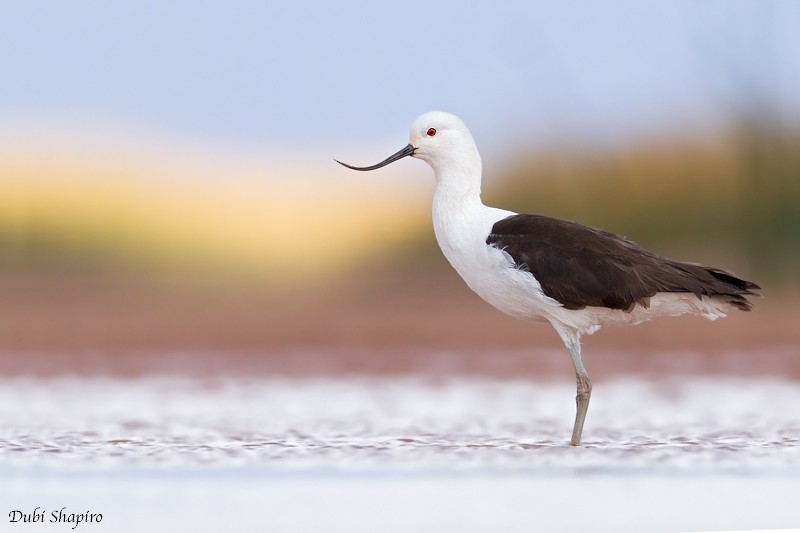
{"points": [[573, 343], [582, 398]]}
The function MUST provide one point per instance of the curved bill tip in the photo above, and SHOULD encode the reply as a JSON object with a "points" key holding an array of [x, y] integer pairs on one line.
{"points": [[408, 150]]}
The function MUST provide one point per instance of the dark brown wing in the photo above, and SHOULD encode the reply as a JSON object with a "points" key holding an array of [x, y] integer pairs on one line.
{"points": [[581, 266]]}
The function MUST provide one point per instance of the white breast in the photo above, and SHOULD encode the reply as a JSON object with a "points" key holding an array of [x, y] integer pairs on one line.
{"points": [[461, 231]]}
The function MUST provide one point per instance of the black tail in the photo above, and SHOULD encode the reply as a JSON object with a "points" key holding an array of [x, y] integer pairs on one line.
{"points": [[713, 283], [737, 289]]}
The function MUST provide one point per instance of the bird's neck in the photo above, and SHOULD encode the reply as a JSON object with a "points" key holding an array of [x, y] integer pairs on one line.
{"points": [[460, 220], [457, 208], [458, 184]]}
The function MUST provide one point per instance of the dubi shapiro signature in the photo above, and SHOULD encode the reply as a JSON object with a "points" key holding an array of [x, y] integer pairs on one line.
{"points": [[61, 516]]}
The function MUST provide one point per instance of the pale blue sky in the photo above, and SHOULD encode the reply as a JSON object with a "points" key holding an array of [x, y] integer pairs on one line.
{"points": [[333, 74]]}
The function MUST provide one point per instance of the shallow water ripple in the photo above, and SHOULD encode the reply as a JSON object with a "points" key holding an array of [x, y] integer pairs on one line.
{"points": [[680, 425]]}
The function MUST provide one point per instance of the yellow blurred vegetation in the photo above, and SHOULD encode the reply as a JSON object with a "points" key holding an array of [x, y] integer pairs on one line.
{"points": [[733, 195], [252, 221]]}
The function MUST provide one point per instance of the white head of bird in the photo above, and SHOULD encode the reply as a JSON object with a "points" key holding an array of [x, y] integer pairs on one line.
{"points": [[443, 141]]}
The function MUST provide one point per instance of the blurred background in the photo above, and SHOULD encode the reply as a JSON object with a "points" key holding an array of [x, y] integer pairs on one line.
{"points": [[168, 196]]}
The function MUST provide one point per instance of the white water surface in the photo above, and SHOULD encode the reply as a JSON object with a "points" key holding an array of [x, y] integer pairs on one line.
{"points": [[401, 454]]}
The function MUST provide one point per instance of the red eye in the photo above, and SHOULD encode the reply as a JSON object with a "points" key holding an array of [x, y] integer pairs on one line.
{"points": [[431, 132]]}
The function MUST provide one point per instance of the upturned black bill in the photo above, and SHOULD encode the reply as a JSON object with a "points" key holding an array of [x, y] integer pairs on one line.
{"points": [[408, 150]]}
